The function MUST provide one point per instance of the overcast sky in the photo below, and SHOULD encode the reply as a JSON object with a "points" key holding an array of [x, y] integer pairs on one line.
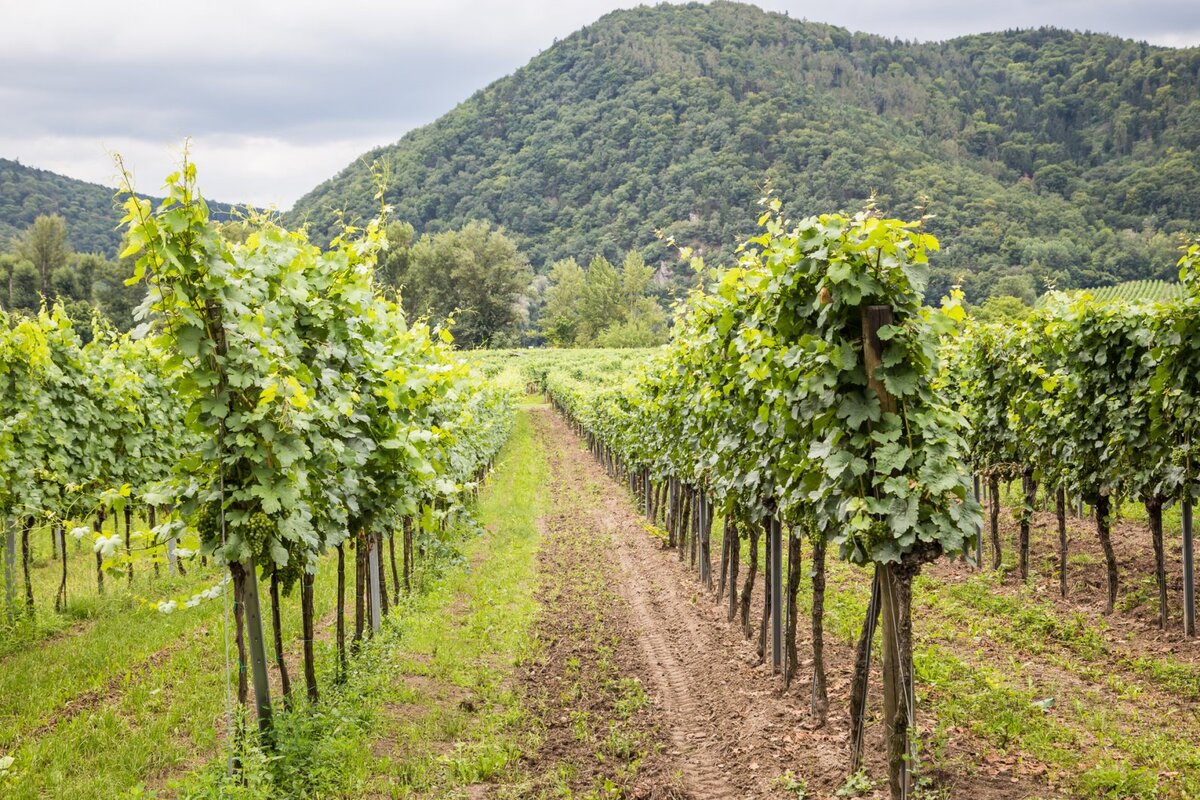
{"points": [[278, 95]]}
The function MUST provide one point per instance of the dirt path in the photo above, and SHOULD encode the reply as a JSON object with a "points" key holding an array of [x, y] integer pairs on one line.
{"points": [[721, 729], [587, 682], [719, 726]]}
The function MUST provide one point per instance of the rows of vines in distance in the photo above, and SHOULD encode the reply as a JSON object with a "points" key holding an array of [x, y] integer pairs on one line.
{"points": [[1145, 291]]}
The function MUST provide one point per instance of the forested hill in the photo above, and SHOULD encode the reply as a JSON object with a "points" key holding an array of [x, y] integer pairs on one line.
{"points": [[26, 193], [1070, 157], [90, 211]]}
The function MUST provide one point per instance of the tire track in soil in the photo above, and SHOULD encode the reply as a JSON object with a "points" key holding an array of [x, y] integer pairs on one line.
{"points": [[675, 682], [580, 681]]}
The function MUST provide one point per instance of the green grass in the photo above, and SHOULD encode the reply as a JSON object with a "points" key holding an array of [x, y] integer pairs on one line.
{"points": [[114, 697], [96, 698], [429, 706], [131, 698], [18, 631], [476, 654]]}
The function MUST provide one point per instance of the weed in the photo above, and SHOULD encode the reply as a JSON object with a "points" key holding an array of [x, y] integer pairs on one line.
{"points": [[1117, 780], [631, 697], [795, 786], [857, 784]]}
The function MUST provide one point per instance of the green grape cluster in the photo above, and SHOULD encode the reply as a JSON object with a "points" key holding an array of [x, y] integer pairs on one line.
{"points": [[290, 575], [208, 522], [258, 530]]}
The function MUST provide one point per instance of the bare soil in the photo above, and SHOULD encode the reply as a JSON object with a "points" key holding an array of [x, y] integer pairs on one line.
{"points": [[1137, 595], [589, 680]]}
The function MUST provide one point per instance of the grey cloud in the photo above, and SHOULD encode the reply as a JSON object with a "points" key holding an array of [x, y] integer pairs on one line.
{"points": [[261, 99]]}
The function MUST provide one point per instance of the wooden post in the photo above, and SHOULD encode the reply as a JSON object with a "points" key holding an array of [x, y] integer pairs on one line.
{"points": [[373, 579], [793, 586], [776, 544], [307, 614], [1029, 487], [97, 528], [669, 517], [1060, 510], [895, 595], [1189, 586], [708, 542], [694, 517], [60, 538], [258, 651], [895, 604], [994, 518], [360, 590], [861, 677], [128, 546], [10, 568], [395, 570], [723, 580], [26, 557], [735, 542], [646, 490], [277, 637], [341, 609], [1103, 509], [978, 541], [1154, 510], [407, 555]]}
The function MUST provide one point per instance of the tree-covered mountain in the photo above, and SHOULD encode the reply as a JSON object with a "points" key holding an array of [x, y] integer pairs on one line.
{"points": [[27, 193], [90, 211], [1067, 157]]}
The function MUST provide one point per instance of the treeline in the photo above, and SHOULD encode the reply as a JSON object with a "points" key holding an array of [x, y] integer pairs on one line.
{"points": [[475, 278], [1063, 156], [478, 278], [41, 267], [603, 305]]}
